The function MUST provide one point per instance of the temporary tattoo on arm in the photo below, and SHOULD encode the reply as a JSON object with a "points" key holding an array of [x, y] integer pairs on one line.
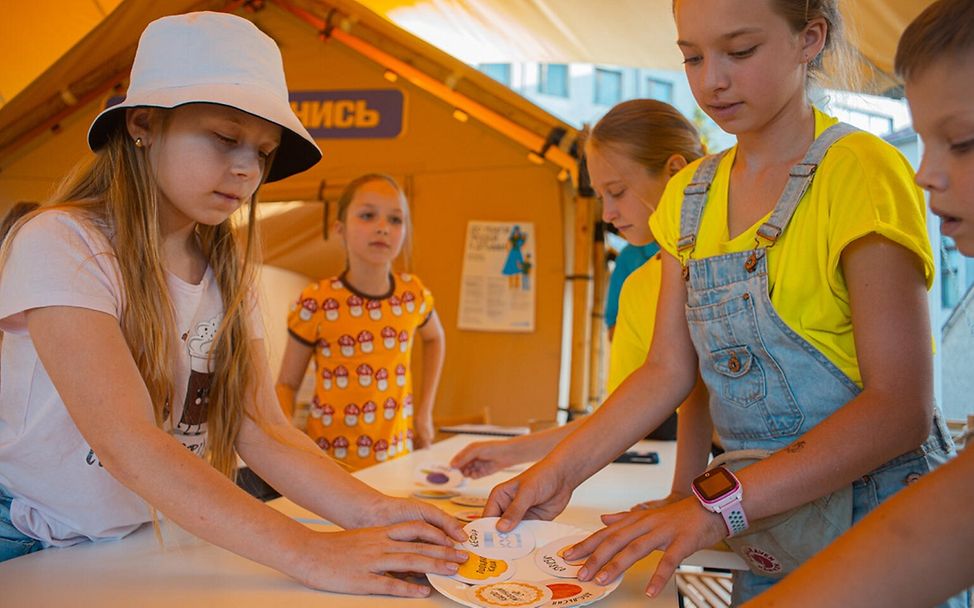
{"points": [[795, 447]]}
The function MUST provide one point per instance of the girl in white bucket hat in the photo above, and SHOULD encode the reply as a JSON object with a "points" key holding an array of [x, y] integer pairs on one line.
{"points": [[133, 348]]}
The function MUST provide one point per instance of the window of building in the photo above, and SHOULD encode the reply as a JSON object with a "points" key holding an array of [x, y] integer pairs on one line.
{"points": [[608, 87], [877, 124], [501, 72], [951, 259], [659, 89], [880, 124], [553, 79]]}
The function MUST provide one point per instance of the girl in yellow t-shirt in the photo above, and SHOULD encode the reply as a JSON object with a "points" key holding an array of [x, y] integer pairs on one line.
{"points": [[935, 59], [794, 279], [360, 327], [631, 154]]}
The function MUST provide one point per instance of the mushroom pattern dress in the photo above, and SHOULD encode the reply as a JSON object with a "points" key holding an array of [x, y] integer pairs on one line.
{"points": [[362, 409]]}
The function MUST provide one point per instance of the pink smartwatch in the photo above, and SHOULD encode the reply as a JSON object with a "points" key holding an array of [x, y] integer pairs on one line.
{"points": [[718, 490]]}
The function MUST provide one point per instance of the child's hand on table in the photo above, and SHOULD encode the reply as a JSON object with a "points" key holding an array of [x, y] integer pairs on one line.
{"points": [[399, 510], [483, 458], [358, 561], [678, 529]]}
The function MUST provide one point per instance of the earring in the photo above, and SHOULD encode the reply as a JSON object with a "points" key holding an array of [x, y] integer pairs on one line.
{"points": [[138, 142]]}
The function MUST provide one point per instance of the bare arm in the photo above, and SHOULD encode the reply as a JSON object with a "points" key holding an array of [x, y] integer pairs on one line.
{"points": [[917, 549], [291, 462], [434, 352], [294, 363], [887, 289], [288, 460], [483, 458], [694, 435], [643, 401], [891, 416], [111, 407], [86, 356], [647, 397]]}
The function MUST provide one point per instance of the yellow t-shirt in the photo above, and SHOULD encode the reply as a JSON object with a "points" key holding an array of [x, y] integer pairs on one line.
{"points": [[862, 186], [634, 324], [362, 410]]}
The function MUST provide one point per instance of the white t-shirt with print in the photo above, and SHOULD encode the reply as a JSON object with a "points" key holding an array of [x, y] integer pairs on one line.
{"points": [[62, 495]]}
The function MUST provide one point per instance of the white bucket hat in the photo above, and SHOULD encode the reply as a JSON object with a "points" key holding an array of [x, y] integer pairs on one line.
{"points": [[215, 58]]}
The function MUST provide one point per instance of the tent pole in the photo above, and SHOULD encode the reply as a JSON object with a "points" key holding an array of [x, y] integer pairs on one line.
{"points": [[581, 281], [596, 393]]}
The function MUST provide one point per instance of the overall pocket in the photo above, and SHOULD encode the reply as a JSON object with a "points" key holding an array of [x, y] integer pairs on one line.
{"points": [[750, 396], [741, 378]]}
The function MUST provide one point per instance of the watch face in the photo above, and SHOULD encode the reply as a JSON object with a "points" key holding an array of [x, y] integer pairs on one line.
{"points": [[715, 483]]}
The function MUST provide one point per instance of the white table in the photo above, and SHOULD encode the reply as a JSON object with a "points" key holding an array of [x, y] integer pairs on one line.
{"points": [[187, 571]]}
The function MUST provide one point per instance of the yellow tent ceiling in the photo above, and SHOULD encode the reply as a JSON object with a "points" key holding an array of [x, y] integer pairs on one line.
{"points": [[638, 33], [626, 32]]}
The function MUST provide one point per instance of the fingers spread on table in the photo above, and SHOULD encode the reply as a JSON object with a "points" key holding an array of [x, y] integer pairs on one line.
{"points": [[419, 530], [448, 554], [620, 546], [387, 585], [611, 518], [414, 562], [668, 564], [587, 545], [451, 529]]}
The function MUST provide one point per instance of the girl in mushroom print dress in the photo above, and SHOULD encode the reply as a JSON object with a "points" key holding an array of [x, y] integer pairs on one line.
{"points": [[359, 328]]}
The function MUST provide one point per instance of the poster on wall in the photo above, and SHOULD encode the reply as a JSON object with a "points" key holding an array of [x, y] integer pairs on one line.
{"points": [[497, 287]]}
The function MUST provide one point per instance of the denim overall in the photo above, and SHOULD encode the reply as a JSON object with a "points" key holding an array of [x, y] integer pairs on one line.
{"points": [[768, 385]]}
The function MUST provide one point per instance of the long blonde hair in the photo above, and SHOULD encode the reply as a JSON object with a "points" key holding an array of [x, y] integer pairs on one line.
{"points": [[117, 193], [837, 65], [16, 212]]}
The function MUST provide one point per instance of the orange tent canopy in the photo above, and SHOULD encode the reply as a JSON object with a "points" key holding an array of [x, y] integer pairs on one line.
{"points": [[638, 33]]}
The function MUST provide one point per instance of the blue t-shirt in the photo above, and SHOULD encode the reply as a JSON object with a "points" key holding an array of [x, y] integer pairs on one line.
{"points": [[630, 258]]}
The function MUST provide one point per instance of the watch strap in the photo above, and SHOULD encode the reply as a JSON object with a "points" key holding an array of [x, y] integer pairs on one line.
{"points": [[734, 518]]}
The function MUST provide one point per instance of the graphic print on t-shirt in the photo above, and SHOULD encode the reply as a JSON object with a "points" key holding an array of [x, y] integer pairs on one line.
{"points": [[191, 429], [195, 408]]}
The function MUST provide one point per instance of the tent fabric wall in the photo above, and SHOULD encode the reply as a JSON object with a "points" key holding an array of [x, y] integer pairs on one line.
{"points": [[93, 69], [37, 33], [455, 171], [275, 283]]}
